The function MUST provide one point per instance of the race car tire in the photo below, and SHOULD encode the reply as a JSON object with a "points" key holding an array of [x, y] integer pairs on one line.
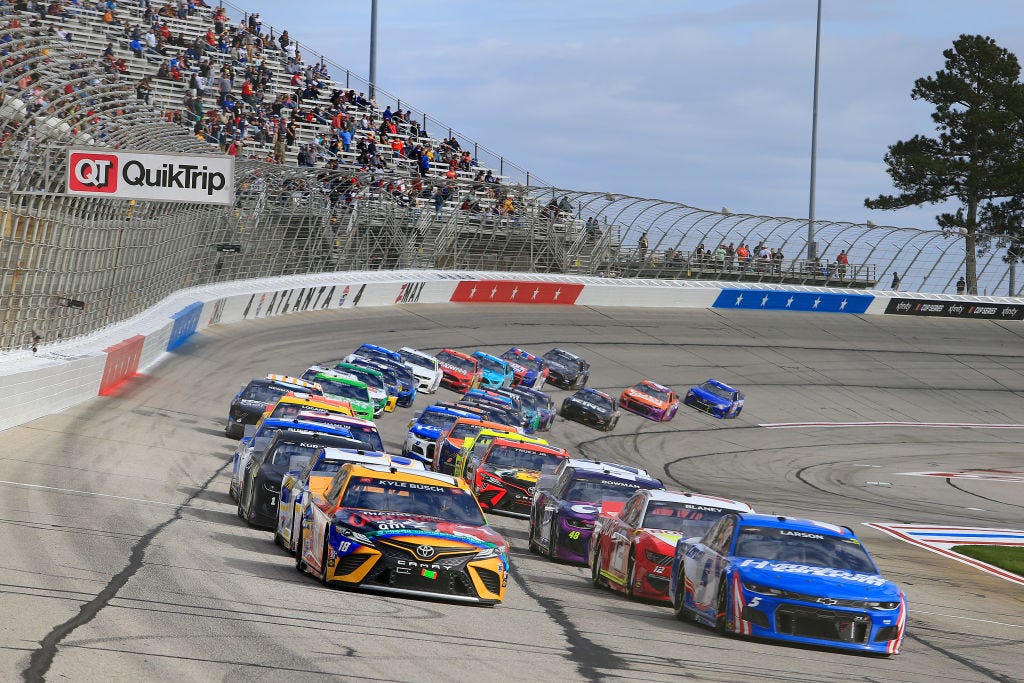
{"points": [[740, 410], [278, 538], [722, 606], [551, 540], [300, 564], [595, 562], [611, 425], [323, 560], [631, 574], [679, 599], [534, 548]]}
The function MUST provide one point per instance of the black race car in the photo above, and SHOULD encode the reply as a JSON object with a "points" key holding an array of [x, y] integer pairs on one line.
{"points": [[254, 398], [566, 370], [290, 449], [592, 408]]}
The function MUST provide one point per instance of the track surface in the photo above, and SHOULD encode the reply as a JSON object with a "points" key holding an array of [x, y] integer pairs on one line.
{"points": [[124, 558]]}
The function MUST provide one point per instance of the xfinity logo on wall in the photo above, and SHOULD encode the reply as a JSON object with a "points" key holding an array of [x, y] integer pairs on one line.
{"points": [[951, 309], [158, 177]]}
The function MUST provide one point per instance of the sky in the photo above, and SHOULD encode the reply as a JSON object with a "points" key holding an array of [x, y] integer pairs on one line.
{"points": [[703, 102]]}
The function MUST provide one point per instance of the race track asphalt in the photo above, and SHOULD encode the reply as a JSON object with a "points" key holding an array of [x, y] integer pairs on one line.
{"points": [[124, 559]]}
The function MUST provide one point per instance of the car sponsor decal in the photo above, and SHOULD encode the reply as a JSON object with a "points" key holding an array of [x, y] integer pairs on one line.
{"points": [[516, 292], [781, 300], [941, 540], [822, 572], [955, 309]]}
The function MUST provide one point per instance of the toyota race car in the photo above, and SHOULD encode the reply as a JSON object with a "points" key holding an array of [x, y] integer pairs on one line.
{"points": [[788, 579], [592, 408], [566, 370], [404, 532], [651, 400], [504, 478], [715, 398], [633, 542]]}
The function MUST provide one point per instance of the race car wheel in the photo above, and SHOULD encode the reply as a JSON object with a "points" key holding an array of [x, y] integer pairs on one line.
{"points": [[631, 574], [551, 540], [679, 599], [612, 425], [279, 539], [300, 564], [323, 560], [722, 606], [595, 563], [534, 548]]}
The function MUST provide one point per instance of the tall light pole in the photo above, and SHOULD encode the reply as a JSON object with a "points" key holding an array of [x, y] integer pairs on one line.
{"points": [[811, 250], [373, 48]]}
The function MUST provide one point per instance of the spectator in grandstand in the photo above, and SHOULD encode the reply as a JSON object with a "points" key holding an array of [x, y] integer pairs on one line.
{"points": [[895, 280], [778, 258], [743, 256], [720, 256], [642, 245], [842, 260], [144, 90], [961, 285]]}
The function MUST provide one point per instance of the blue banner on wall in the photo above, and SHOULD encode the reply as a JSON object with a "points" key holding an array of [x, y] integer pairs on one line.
{"points": [[776, 300], [185, 323]]}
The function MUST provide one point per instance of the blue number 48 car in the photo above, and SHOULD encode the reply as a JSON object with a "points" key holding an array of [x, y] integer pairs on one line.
{"points": [[787, 579]]}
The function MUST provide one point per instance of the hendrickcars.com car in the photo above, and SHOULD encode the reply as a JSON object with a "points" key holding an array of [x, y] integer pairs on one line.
{"points": [[406, 532], [651, 400], [249, 404], [460, 371], [715, 398], [592, 408], [505, 476], [634, 542], [314, 479], [566, 503], [426, 427], [566, 370], [797, 580]]}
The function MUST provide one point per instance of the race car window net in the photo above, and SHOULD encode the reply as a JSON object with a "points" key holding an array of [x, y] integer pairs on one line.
{"points": [[268, 393], [510, 456], [816, 550], [596, 490], [444, 502], [460, 363], [676, 517], [651, 391], [716, 390]]}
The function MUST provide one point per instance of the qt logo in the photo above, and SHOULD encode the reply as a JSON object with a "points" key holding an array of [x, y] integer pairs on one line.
{"points": [[92, 172]]}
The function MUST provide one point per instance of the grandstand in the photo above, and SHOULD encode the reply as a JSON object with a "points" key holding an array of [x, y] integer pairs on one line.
{"points": [[208, 80]]}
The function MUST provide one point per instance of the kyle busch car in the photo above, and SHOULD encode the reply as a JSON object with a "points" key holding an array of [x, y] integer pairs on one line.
{"points": [[426, 428], [529, 370], [459, 371], [634, 542], [592, 408], [249, 404], [495, 372], [651, 400], [424, 367], [505, 477], [715, 398], [289, 449], [565, 504], [566, 370], [314, 479], [405, 532], [788, 579]]}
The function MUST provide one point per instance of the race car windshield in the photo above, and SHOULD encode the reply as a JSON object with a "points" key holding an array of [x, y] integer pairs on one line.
{"points": [[267, 393], [652, 392], [370, 379], [293, 455], [464, 431], [597, 399], [595, 490], [344, 391], [562, 357], [799, 547], [535, 364], [368, 437], [678, 517], [492, 365], [433, 418], [716, 390], [522, 458], [530, 402], [444, 502], [418, 359], [456, 362]]}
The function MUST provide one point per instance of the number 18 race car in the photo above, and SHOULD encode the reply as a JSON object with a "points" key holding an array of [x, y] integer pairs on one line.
{"points": [[788, 579]]}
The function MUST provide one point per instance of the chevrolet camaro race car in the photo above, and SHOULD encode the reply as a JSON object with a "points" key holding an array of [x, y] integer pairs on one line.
{"points": [[565, 504], [634, 542], [715, 398], [401, 531], [426, 428], [796, 580], [424, 367], [566, 370], [651, 400], [592, 408]]}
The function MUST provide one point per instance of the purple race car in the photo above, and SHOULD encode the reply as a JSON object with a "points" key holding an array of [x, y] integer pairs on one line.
{"points": [[567, 502]]}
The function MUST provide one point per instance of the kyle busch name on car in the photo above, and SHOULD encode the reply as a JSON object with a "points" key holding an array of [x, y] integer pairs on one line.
{"points": [[161, 177]]}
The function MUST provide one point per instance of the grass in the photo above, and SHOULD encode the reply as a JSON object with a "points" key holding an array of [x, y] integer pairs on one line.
{"points": [[1010, 558]]}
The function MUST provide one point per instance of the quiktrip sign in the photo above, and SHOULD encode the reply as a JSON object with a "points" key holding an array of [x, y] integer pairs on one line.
{"points": [[199, 179], [955, 309]]}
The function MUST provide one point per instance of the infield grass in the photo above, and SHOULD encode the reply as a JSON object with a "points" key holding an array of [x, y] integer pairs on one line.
{"points": [[1010, 558]]}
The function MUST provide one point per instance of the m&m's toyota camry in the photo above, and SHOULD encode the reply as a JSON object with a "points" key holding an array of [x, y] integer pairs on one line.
{"points": [[788, 579]]}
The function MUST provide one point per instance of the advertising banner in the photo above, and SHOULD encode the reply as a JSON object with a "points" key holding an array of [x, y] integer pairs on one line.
{"points": [[199, 179], [955, 309]]}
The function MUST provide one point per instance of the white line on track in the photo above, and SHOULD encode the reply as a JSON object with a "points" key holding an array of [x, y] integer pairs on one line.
{"points": [[89, 493], [957, 616], [932, 425]]}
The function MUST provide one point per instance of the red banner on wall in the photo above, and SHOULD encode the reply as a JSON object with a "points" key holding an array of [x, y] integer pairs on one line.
{"points": [[515, 292], [122, 363]]}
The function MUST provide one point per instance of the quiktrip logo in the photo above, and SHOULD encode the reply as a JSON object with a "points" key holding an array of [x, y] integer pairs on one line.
{"points": [[158, 177]]}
